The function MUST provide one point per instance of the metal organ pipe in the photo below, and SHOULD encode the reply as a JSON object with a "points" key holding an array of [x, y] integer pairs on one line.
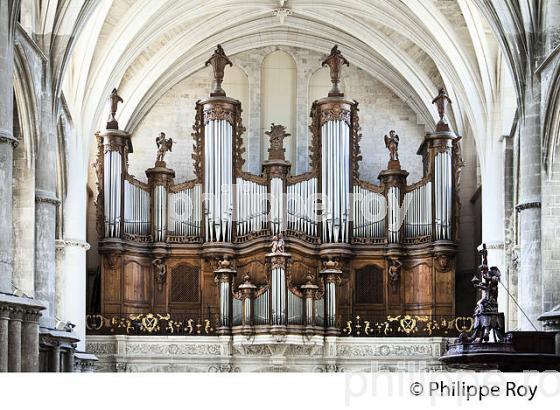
{"points": [[335, 180], [112, 180], [218, 166], [443, 182]]}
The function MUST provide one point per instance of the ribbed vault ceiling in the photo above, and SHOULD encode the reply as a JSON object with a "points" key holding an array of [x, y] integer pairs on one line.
{"points": [[145, 47]]}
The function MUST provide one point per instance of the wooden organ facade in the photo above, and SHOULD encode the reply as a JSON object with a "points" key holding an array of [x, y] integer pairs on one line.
{"points": [[277, 252]]}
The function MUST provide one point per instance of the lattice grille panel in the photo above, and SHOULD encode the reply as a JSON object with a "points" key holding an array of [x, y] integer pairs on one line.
{"points": [[369, 285], [185, 284]]}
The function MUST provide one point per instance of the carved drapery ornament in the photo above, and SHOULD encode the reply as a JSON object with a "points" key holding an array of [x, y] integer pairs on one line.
{"points": [[336, 113], [217, 113], [335, 61], [99, 170], [196, 155], [218, 61], [355, 144], [115, 99], [238, 148]]}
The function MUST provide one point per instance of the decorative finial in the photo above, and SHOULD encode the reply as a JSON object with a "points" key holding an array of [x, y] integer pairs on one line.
{"points": [[335, 61], [115, 99], [277, 134], [441, 102], [163, 145], [218, 61]]}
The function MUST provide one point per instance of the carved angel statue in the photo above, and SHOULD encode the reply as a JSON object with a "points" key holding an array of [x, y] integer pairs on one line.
{"points": [[164, 145], [278, 244], [394, 273], [160, 272], [392, 144], [115, 99]]}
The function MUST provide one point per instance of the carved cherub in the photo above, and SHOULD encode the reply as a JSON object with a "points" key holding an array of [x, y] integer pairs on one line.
{"points": [[392, 144], [394, 273], [164, 144], [278, 244]]}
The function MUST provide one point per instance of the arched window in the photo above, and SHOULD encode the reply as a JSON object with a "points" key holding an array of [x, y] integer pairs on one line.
{"points": [[369, 285], [278, 99]]}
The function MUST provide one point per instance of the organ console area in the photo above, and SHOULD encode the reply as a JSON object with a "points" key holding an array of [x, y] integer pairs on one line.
{"points": [[278, 253]]}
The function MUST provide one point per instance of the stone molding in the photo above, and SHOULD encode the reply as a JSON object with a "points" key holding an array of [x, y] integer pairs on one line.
{"points": [[46, 197], [6, 136], [262, 353], [63, 243], [527, 205]]}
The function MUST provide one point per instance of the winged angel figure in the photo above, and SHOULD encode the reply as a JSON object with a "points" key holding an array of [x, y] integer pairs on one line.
{"points": [[164, 145]]}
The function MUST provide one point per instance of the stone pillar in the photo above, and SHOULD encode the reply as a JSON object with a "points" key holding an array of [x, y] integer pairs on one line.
{"points": [[71, 285], [4, 325], [493, 214], [14, 339], [529, 209], [54, 362], [30, 341], [68, 363], [45, 247], [7, 140], [224, 277]]}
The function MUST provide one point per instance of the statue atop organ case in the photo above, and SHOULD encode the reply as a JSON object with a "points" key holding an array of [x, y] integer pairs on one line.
{"points": [[342, 246]]}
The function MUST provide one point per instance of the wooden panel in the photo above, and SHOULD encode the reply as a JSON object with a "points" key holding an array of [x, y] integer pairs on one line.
{"points": [[418, 286], [111, 279], [137, 283]]}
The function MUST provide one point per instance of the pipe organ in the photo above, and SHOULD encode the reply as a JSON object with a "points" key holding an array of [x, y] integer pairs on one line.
{"points": [[279, 253]]}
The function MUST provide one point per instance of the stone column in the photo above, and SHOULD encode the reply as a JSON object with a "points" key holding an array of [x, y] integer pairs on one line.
{"points": [[45, 258], [529, 208], [14, 339], [493, 213], [68, 364], [7, 140], [30, 341], [4, 320], [54, 364]]}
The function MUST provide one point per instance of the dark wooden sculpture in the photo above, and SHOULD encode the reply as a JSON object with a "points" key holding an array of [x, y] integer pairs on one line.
{"points": [[163, 146], [335, 61], [115, 99], [218, 61]]}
